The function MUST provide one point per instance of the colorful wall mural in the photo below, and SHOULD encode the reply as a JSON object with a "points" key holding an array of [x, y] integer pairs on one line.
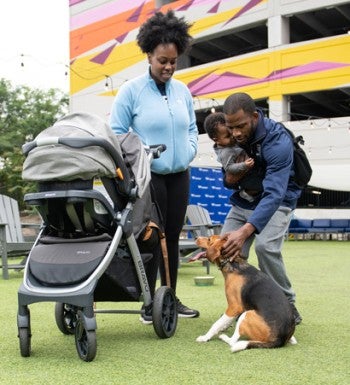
{"points": [[104, 53]]}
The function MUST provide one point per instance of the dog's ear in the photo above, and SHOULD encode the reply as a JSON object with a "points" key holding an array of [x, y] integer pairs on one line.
{"points": [[215, 244], [213, 252], [212, 244]]}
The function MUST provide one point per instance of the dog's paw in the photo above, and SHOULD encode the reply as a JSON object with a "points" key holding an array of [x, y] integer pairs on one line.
{"points": [[225, 338], [239, 346], [202, 339], [293, 341]]}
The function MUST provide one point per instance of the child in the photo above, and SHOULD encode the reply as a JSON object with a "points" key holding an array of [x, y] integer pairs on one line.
{"points": [[234, 159]]}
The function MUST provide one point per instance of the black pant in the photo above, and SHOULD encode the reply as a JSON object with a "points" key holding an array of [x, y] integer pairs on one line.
{"points": [[171, 193]]}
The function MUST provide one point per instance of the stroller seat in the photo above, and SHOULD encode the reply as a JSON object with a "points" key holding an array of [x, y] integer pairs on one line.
{"points": [[59, 261]]}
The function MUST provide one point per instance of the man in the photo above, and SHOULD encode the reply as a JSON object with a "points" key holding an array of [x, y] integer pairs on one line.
{"points": [[267, 217]]}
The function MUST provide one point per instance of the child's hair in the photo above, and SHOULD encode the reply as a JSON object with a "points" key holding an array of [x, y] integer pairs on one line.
{"points": [[211, 123]]}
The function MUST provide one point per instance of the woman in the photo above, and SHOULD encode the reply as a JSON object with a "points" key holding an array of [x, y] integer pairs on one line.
{"points": [[160, 109]]}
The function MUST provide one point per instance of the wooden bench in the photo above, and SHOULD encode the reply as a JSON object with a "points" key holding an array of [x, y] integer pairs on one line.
{"points": [[12, 242], [197, 223]]}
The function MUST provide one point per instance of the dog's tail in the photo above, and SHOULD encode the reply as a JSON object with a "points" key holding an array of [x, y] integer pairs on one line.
{"points": [[275, 343], [264, 345], [244, 344]]}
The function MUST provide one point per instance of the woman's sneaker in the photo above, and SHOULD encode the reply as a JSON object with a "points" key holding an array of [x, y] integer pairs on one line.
{"points": [[185, 312]]}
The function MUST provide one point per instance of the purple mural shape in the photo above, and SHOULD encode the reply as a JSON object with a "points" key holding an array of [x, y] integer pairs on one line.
{"points": [[197, 81], [211, 83], [186, 6], [215, 8], [103, 56], [135, 16]]}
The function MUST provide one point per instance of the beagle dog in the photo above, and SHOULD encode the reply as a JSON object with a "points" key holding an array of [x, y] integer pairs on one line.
{"points": [[264, 315]]}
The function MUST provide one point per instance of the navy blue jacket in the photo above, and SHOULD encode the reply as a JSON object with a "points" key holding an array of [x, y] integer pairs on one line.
{"points": [[272, 148]]}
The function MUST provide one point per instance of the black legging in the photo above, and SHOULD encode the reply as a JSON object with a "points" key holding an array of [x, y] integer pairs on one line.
{"points": [[171, 193]]}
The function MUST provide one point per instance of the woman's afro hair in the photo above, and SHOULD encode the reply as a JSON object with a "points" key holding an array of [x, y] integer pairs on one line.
{"points": [[164, 29]]}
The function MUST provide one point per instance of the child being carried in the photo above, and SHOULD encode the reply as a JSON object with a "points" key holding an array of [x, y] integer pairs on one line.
{"points": [[234, 160]]}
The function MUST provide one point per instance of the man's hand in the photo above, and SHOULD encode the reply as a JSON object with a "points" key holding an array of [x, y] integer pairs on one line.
{"points": [[235, 240]]}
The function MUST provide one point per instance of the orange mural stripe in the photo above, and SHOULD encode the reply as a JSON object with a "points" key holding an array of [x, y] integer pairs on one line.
{"points": [[95, 34]]}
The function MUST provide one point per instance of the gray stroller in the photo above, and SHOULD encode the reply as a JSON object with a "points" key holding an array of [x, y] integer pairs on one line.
{"points": [[101, 235]]}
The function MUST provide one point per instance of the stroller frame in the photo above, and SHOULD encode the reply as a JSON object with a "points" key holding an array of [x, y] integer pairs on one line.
{"points": [[74, 310]]}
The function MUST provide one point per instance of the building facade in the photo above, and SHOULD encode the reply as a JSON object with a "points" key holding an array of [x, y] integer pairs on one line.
{"points": [[291, 56]]}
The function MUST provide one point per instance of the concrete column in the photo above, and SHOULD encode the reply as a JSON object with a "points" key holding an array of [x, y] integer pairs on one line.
{"points": [[279, 109], [278, 34], [278, 31]]}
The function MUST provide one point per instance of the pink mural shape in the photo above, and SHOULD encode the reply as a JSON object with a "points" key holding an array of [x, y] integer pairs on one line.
{"points": [[211, 83], [247, 7], [74, 2], [216, 83], [215, 8], [135, 16], [316, 66], [102, 12]]}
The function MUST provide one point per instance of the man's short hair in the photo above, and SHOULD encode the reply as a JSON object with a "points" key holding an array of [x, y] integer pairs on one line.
{"points": [[239, 101]]}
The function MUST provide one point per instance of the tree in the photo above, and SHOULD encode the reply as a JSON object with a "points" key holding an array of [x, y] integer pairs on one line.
{"points": [[24, 112]]}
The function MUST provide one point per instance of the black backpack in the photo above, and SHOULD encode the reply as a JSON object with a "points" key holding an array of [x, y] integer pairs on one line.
{"points": [[302, 167]]}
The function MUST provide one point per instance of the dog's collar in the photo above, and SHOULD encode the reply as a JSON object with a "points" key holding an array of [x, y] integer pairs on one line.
{"points": [[223, 263]]}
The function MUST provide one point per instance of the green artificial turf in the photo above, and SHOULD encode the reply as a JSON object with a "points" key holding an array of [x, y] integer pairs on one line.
{"points": [[130, 353]]}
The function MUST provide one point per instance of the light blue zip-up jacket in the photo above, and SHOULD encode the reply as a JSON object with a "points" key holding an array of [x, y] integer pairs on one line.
{"points": [[157, 119]]}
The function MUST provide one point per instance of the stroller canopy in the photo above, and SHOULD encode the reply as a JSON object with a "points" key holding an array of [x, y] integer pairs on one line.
{"points": [[62, 163]]}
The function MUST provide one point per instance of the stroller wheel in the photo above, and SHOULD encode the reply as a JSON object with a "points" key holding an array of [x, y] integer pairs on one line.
{"points": [[85, 340], [164, 312], [24, 336], [66, 317]]}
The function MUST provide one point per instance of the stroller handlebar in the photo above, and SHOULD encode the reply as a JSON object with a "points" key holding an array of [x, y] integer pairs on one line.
{"points": [[86, 142], [155, 150]]}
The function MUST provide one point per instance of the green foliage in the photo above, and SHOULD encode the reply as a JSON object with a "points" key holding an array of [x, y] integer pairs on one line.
{"points": [[24, 112]]}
